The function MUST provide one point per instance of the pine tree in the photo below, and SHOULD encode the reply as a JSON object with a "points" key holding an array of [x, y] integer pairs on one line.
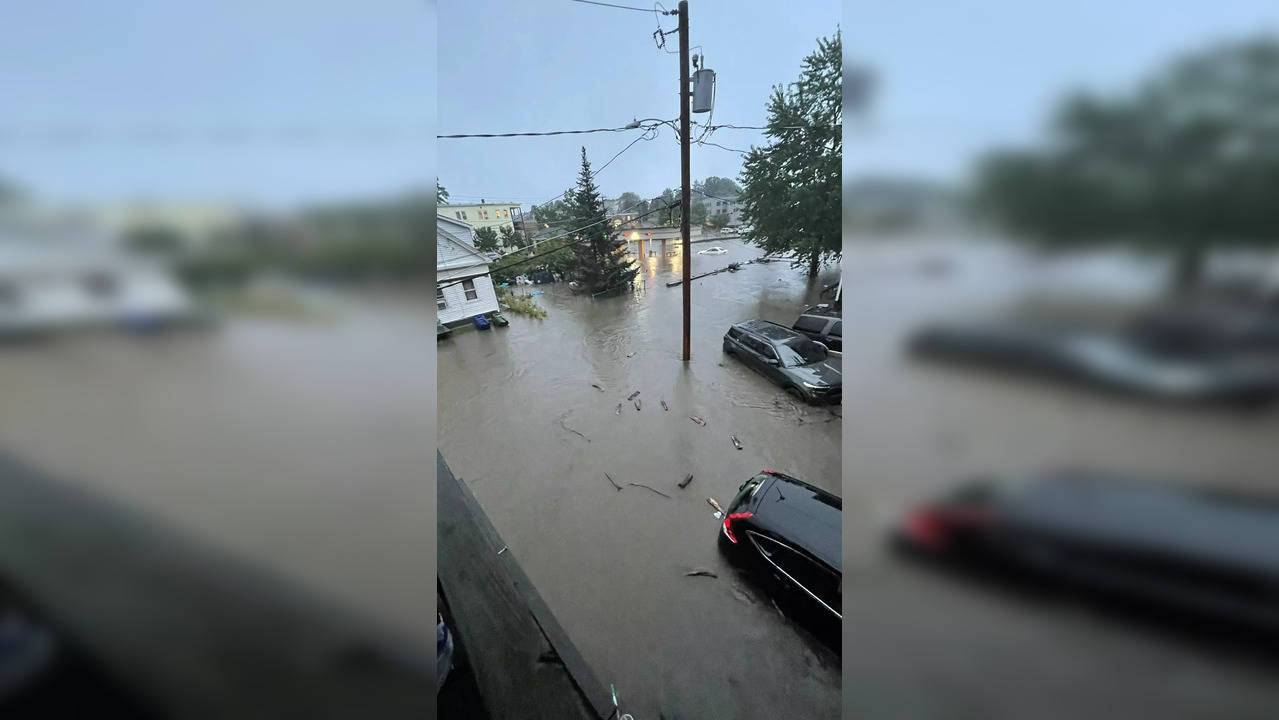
{"points": [[601, 254]]}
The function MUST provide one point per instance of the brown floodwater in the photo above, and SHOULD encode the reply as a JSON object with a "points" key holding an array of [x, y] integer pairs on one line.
{"points": [[521, 423]]}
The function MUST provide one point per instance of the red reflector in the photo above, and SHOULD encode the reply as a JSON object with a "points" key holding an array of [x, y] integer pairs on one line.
{"points": [[931, 527], [728, 523]]}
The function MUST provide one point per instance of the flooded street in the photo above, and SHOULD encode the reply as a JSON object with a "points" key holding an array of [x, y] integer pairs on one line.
{"points": [[922, 644], [522, 425], [300, 446]]}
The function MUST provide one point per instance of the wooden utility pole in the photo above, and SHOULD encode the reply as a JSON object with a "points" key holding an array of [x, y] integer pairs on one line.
{"points": [[685, 202]]}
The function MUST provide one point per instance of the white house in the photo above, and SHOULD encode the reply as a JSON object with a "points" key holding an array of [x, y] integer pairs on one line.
{"points": [[53, 277], [462, 287]]}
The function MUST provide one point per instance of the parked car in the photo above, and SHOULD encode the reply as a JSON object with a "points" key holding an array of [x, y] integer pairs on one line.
{"points": [[788, 534], [824, 326], [1105, 361], [1176, 546], [713, 250], [801, 366], [442, 331], [499, 319], [443, 652]]}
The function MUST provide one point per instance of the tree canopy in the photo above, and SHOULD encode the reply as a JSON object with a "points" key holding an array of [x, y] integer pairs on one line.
{"points": [[791, 187], [441, 193], [486, 240], [1186, 161]]}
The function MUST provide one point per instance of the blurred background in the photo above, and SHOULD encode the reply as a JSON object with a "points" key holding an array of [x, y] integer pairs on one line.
{"points": [[1060, 237], [216, 371]]}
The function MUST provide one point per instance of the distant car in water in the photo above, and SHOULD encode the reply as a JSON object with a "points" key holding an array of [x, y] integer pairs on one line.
{"points": [[1105, 361], [713, 250], [824, 326], [1180, 547], [788, 534], [801, 366]]}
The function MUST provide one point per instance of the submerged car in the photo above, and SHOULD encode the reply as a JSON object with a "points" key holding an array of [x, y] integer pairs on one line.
{"points": [[823, 325], [1179, 547], [713, 250], [802, 367], [1104, 361], [788, 533]]}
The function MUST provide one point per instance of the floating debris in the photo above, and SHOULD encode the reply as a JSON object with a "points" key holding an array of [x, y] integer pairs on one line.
{"points": [[664, 407], [736, 443], [633, 395], [619, 408], [566, 427], [631, 355], [637, 404], [700, 572], [684, 483], [697, 420], [597, 387], [610, 479], [499, 552], [659, 492]]}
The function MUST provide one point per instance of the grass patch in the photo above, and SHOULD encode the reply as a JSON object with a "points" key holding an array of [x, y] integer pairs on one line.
{"points": [[522, 305]]}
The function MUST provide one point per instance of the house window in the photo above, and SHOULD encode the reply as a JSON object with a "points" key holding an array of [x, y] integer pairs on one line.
{"points": [[463, 214], [469, 287], [440, 302]]}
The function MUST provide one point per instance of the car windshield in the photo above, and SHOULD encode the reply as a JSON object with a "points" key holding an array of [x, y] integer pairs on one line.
{"points": [[800, 351]]}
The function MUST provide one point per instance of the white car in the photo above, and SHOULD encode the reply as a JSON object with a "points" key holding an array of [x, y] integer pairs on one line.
{"points": [[715, 250]]}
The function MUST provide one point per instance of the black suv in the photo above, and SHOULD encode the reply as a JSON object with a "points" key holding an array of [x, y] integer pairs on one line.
{"points": [[824, 326], [786, 530], [796, 363]]}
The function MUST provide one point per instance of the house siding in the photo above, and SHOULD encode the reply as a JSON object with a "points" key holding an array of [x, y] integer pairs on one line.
{"points": [[455, 261], [459, 308]]}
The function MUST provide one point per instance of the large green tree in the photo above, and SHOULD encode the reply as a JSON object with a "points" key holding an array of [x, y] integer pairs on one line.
{"points": [[602, 263], [719, 187], [1185, 162], [441, 193], [629, 200], [486, 240], [791, 187], [553, 213]]}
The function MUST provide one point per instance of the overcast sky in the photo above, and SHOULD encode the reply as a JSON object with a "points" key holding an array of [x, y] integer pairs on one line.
{"points": [[560, 65], [962, 75], [346, 69], [956, 78]]}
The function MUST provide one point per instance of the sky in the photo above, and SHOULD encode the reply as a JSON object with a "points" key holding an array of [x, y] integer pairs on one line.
{"points": [[560, 65], [372, 82], [358, 76], [961, 76]]}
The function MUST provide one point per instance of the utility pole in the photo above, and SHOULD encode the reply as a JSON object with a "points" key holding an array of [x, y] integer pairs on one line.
{"points": [[685, 203]]}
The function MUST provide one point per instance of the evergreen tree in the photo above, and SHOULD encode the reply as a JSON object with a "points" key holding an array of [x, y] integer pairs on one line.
{"points": [[601, 254]]}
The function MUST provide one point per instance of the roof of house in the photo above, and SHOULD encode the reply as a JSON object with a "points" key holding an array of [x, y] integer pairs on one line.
{"points": [[458, 233]]}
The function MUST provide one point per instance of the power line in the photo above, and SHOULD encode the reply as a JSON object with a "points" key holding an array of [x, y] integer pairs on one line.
{"points": [[707, 142], [533, 134], [622, 7], [645, 136]]}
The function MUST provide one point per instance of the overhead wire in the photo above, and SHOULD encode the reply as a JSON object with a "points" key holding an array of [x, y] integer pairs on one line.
{"points": [[604, 4]]}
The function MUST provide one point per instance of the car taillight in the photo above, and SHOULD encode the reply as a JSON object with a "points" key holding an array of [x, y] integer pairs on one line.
{"points": [[728, 523], [932, 527]]}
